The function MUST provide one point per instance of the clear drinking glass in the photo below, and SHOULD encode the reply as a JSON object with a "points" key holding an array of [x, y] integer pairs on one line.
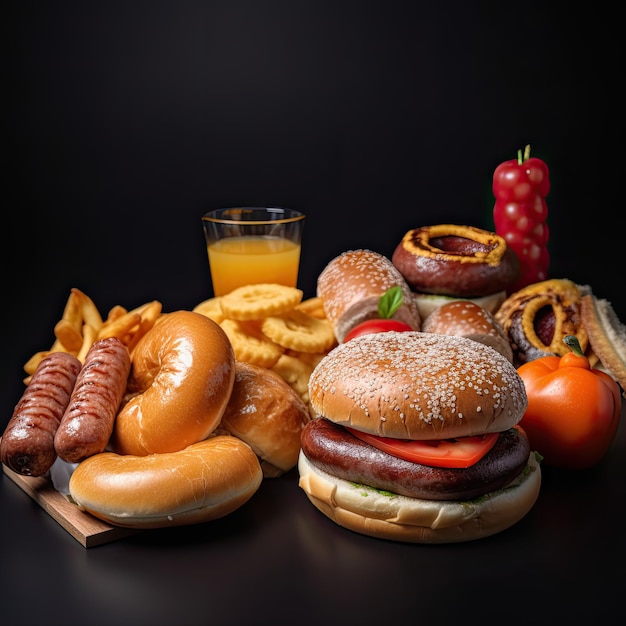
{"points": [[251, 245]]}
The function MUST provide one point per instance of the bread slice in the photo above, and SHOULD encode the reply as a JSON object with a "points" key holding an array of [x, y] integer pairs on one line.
{"points": [[607, 336]]}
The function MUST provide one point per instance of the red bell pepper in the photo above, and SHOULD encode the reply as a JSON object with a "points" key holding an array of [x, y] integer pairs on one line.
{"points": [[520, 214]]}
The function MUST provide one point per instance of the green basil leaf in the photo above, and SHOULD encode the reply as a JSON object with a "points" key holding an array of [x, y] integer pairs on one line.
{"points": [[390, 302]]}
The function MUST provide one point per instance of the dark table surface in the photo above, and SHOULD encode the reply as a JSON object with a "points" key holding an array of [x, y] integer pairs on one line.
{"points": [[277, 560]]}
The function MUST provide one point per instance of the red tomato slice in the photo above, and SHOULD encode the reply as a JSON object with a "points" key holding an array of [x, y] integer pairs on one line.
{"points": [[376, 326], [457, 453]]}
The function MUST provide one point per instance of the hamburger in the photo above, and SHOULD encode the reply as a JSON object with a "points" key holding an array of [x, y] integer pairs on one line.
{"points": [[416, 438]]}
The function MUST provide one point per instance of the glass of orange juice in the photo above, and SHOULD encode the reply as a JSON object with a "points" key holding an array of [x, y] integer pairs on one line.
{"points": [[251, 245]]}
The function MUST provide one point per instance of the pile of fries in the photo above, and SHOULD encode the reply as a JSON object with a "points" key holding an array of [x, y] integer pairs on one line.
{"points": [[82, 324]]}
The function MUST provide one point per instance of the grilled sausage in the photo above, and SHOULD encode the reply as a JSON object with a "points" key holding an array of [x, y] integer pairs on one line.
{"points": [[87, 423], [27, 445]]}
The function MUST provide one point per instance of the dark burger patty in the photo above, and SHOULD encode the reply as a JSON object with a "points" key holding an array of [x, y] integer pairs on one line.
{"points": [[333, 449]]}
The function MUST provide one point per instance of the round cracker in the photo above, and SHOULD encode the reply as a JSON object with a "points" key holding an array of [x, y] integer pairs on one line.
{"points": [[255, 302], [250, 344], [299, 331], [313, 306], [211, 308]]}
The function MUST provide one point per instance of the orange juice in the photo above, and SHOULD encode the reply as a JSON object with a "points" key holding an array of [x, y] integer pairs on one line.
{"points": [[237, 261]]}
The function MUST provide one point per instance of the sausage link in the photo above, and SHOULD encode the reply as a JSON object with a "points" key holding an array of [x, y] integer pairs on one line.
{"points": [[87, 423], [27, 445]]}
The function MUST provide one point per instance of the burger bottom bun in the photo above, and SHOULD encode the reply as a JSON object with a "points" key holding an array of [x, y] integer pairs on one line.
{"points": [[383, 515], [203, 482], [427, 303]]}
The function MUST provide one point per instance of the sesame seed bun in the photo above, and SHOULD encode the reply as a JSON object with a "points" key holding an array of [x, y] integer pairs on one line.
{"points": [[465, 318], [351, 285], [415, 385]]}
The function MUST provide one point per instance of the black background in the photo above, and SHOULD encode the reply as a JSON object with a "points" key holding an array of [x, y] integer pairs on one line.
{"points": [[125, 121]]}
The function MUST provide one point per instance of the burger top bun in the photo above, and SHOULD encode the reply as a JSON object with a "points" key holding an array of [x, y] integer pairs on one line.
{"points": [[266, 413], [351, 285], [415, 385]]}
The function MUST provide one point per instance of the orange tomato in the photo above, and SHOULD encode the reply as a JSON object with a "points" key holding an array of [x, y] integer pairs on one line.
{"points": [[573, 410]]}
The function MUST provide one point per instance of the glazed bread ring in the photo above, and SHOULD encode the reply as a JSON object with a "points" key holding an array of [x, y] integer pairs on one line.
{"points": [[537, 318], [452, 260], [202, 482], [182, 375]]}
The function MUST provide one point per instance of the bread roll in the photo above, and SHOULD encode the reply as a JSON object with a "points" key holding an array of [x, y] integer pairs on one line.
{"points": [[449, 387], [427, 303], [351, 286], [467, 319], [266, 413]]}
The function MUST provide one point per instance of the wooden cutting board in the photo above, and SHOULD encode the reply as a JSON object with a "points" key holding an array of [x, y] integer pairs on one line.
{"points": [[85, 528]]}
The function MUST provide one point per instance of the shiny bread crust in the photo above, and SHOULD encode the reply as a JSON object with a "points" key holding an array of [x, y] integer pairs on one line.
{"points": [[182, 375], [204, 481], [465, 318], [266, 413]]}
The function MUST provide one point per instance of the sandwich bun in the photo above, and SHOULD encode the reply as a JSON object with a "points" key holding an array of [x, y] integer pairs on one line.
{"points": [[467, 319], [427, 303], [607, 336], [351, 285]]}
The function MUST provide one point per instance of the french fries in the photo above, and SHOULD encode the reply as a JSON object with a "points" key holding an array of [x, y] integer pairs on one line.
{"points": [[81, 325]]}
